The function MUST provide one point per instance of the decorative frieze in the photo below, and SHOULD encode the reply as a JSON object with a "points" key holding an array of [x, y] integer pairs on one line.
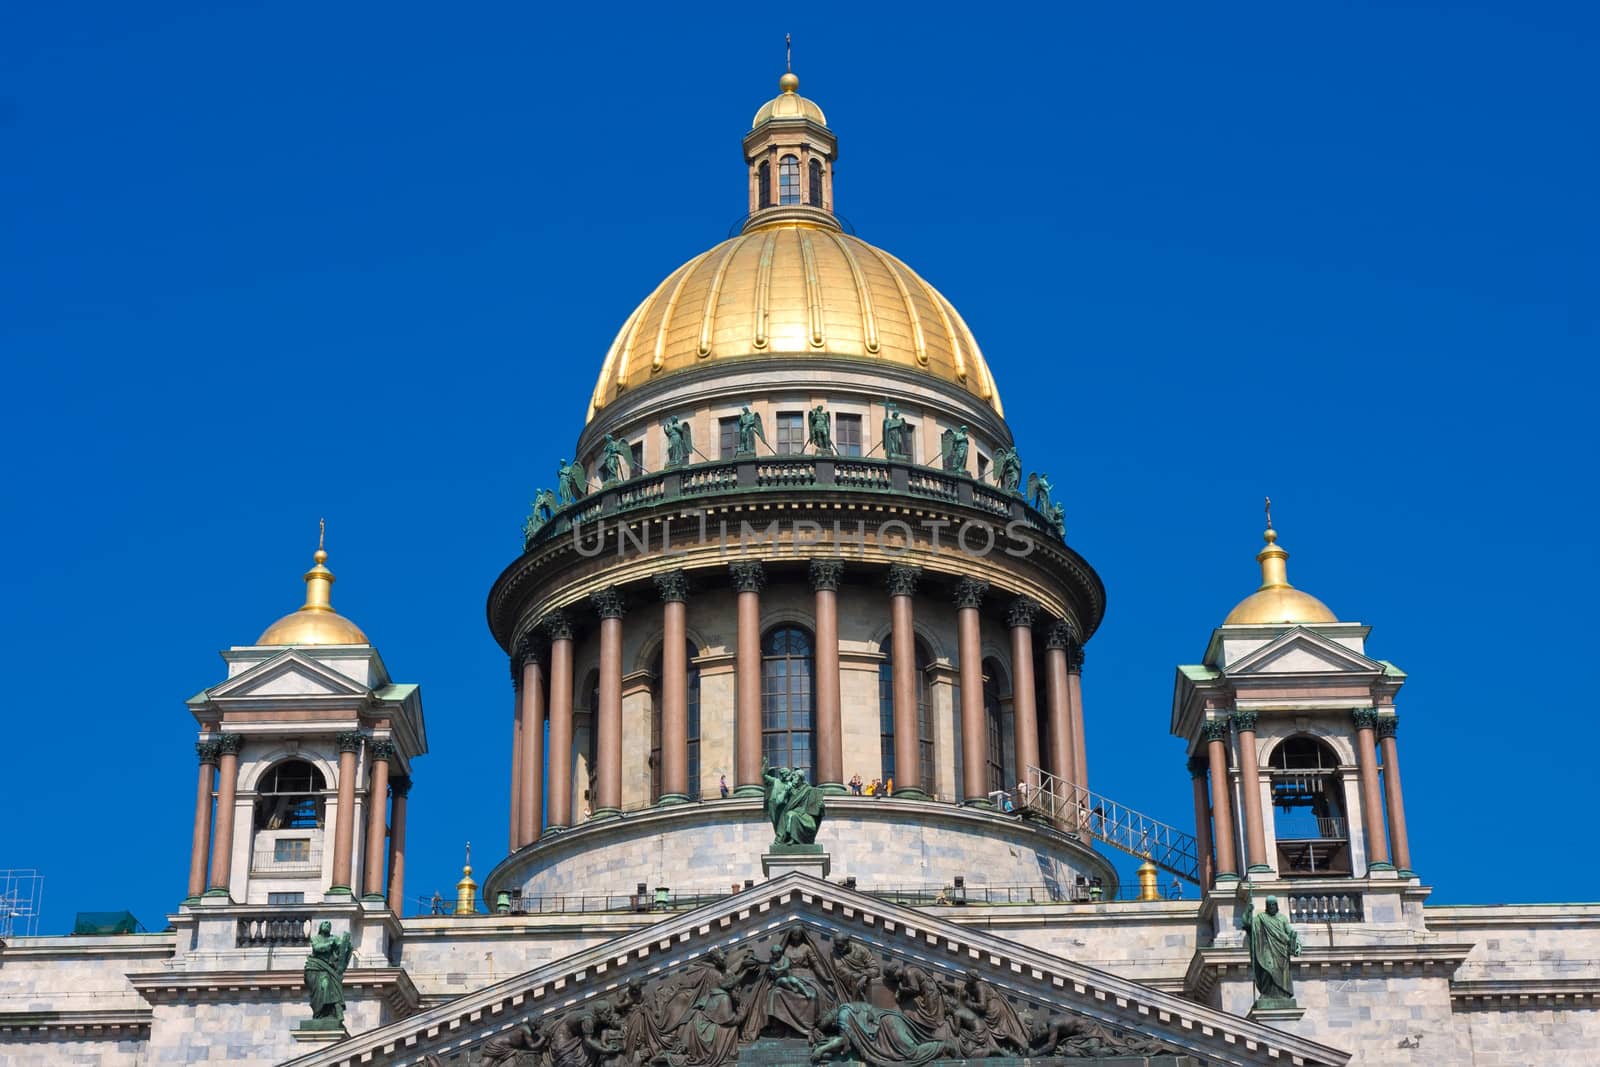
{"points": [[826, 574], [902, 579]]}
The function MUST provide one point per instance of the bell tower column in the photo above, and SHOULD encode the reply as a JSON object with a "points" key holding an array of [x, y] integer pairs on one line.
{"points": [[208, 751], [379, 753], [1388, 726], [1202, 822], [1255, 837], [344, 831], [227, 790], [399, 789], [1366, 720], [1215, 731]]}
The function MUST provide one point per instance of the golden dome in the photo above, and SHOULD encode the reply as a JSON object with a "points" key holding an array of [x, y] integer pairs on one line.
{"points": [[794, 287], [316, 623], [789, 104], [1277, 602]]}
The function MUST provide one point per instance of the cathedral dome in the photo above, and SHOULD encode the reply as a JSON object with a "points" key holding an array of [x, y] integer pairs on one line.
{"points": [[794, 286], [316, 623], [1277, 602]]}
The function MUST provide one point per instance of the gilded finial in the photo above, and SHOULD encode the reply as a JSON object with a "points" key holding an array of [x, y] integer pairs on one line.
{"points": [[1269, 513], [322, 532], [467, 889], [789, 83]]}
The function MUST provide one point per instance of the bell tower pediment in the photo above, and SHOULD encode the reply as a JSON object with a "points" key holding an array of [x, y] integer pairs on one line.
{"points": [[289, 674], [1302, 651]]}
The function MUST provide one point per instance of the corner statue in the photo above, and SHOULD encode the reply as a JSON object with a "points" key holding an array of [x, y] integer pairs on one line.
{"points": [[750, 428], [793, 804], [324, 977], [1272, 941]]}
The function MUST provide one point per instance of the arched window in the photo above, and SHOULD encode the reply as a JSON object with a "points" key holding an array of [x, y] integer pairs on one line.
{"points": [[789, 180], [693, 729], [764, 184], [788, 719], [924, 717], [1310, 824], [994, 716], [815, 199], [290, 797]]}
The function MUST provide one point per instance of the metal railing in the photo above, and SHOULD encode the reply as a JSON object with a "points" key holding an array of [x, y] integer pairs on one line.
{"points": [[1078, 810], [274, 930], [268, 862], [854, 474]]}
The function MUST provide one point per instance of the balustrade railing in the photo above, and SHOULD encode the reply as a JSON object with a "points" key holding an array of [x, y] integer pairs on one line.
{"points": [[274, 930], [1325, 908]]}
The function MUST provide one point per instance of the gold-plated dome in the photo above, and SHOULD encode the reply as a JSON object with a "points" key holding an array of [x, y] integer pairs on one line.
{"points": [[789, 104], [1277, 602], [794, 288], [316, 623]]}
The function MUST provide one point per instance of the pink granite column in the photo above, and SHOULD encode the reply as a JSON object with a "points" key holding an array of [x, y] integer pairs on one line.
{"points": [[903, 654], [530, 784], [748, 579], [200, 847], [379, 753], [1366, 721], [227, 791], [1255, 837], [559, 795], [1063, 758], [611, 606], [825, 576], [399, 788], [1388, 726], [1080, 755], [1202, 823], [1024, 695], [344, 830], [674, 589], [1215, 732], [974, 730], [516, 754]]}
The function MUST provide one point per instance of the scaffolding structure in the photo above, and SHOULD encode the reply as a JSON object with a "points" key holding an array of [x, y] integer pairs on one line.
{"points": [[21, 897]]}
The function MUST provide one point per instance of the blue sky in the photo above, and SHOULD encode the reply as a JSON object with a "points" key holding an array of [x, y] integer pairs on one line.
{"points": [[265, 263]]}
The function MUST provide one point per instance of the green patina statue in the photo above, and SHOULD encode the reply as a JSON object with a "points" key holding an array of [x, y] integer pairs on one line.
{"points": [[793, 804], [680, 440], [1272, 942], [614, 457], [819, 433], [324, 978], [894, 432], [571, 482], [1008, 471], [750, 428], [543, 509], [953, 449]]}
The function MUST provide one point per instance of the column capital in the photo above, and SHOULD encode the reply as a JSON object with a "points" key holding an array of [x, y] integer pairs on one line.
{"points": [[1059, 635], [1075, 658], [228, 744], [969, 593], [609, 603], [673, 586], [1388, 725], [557, 626], [523, 649], [826, 574], [1245, 720], [1022, 612], [208, 751], [1365, 718], [382, 749], [1214, 730], [349, 741], [400, 785], [748, 575], [1198, 766], [902, 579]]}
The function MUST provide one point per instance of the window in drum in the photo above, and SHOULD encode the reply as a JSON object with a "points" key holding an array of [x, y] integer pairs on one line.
{"points": [[693, 723], [788, 719], [886, 718], [727, 437], [791, 433], [637, 466], [764, 184], [789, 180], [815, 199], [983, 467], [994, 724], [924, 718], [847, 434]]}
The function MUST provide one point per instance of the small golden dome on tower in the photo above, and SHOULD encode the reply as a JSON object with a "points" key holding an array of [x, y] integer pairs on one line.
{"points": [[1277, 602], [316, 623], [467, 889], [789, 104]]}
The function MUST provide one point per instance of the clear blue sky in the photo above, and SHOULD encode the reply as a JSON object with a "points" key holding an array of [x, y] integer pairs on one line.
{"points": [[265, 263]]}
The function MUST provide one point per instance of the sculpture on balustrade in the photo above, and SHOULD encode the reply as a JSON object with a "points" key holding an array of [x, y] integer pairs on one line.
{"points": [[894, 432], [571, 482], [541, 512], [793, 804], [1273, 941], [953, 449], [1058, 520], [324, 978], [614, 457], [1008, 470], [680, 440], [819, 434], [750, 428], [1039, 491]]}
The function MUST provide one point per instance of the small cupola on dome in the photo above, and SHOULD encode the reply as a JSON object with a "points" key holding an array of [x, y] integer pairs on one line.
{"points": [[1277, 602], [316, 623], [790, 153]]}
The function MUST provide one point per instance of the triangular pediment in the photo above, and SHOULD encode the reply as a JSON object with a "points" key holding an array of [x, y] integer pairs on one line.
{"points": [[290, 674], [708, 985], [1301, 651]]}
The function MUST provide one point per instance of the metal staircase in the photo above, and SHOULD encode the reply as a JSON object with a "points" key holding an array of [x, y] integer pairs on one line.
{"points": [[1078, 810]]}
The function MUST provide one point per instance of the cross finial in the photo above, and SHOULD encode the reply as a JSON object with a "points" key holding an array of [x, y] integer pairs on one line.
{"points": [[322, 532], [788, 54], [1269, 513]]}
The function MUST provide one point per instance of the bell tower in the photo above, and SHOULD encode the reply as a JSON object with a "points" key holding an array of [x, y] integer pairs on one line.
{"points": [[1291, 733]]}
